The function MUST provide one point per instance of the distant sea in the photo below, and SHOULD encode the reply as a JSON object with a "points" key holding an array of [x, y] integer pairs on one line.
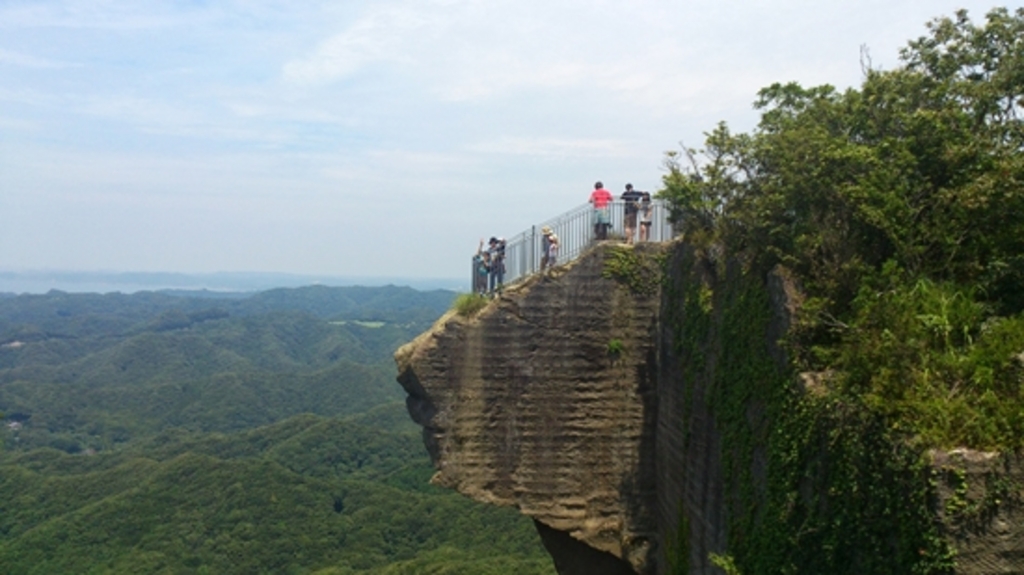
{"points": [[35, 282]]}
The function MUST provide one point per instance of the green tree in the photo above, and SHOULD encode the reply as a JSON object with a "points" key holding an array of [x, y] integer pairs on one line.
{"points": [[921, 165], [899, 205]]}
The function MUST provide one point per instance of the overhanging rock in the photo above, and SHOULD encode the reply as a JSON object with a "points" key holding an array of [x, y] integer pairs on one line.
{"points": [[545, 401]]}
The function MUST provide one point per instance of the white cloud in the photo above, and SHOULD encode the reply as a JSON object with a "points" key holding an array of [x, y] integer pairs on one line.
{"points": [[466, 49], [146, 112], [19, 124], [26, 95], [650, 53], [28, 61], [379, 36], [555, 148], [96, 14]]}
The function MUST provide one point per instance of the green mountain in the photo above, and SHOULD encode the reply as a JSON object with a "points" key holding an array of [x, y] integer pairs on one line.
{"points": [[87, 371], [262, 433], [306, 493]]}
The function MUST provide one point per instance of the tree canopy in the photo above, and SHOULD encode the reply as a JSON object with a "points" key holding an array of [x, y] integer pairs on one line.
{"points": [[899, 204]]}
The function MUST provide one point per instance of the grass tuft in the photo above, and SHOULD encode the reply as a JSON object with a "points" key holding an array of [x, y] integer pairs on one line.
{"points": [[469, 304]]}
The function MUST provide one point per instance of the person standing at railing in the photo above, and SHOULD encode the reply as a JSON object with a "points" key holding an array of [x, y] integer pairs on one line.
{"points": [[481, 269], [631, 198], [601, 198], [645, 216], [549, 247], [497, 256]]}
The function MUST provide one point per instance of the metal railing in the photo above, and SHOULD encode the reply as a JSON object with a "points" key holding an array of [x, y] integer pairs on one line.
{"points": [[576, 232]]}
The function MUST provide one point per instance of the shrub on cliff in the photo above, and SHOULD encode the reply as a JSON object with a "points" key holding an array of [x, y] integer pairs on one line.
{"points": [[469, 304]]}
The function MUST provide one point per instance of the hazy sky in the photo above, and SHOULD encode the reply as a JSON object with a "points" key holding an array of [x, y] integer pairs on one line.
{"points": [[377, 138]]}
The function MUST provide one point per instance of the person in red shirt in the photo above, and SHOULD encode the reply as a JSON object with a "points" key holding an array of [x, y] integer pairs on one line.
{"points": [[601, 199]]}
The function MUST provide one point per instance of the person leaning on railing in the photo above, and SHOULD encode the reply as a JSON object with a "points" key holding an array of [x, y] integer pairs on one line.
{"points": [[600, 198], [497, 256]]}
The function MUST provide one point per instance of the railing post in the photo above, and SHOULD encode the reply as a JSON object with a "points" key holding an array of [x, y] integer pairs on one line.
{"points": [[533, 249]]}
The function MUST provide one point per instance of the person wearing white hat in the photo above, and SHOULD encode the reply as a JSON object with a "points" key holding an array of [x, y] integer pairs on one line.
{"points": [[549, 247]]}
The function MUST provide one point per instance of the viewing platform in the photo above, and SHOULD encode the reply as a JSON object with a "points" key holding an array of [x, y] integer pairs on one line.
{"points": [[576, 232]]}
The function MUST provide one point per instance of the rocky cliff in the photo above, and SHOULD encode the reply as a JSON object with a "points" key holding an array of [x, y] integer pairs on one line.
{"points": [[646, 423], [545, 401]]}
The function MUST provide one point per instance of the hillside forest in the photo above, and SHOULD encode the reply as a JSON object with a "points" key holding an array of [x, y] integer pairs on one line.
{"points": [[201, 432]]}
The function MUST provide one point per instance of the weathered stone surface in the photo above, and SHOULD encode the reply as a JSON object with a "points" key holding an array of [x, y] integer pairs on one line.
{"points": [[546, 401], [980, 502]]}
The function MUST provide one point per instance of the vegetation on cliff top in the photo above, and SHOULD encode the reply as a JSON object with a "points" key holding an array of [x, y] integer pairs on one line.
{"points": [[469, 304], [899, 206]]}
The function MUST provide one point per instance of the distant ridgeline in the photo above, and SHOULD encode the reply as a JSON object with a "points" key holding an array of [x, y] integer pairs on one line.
{"points": [[89, 371], [242, 433], [231, 283]]}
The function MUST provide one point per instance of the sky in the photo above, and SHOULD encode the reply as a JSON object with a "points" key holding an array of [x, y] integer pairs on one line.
{"points": [[375, 138]]}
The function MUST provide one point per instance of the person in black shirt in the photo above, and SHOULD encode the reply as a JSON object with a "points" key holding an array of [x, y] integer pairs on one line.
{"points": [[632, 199]]}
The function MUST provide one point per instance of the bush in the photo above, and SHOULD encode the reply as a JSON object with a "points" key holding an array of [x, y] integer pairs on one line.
{"points": [[469, 304]]}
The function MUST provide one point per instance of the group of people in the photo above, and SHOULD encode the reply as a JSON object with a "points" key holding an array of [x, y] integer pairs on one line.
{"points": [[489, 266], [489, 263], [637, 207]]}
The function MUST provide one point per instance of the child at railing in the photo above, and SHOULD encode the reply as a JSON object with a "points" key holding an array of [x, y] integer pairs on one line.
{"points": [[645, 216]]}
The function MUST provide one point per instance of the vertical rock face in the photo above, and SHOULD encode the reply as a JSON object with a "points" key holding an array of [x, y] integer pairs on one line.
{"points": [[546, 401], [691, 482], [688, 451]]}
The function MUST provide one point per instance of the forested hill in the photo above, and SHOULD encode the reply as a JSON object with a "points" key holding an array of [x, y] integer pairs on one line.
{"points": [[72, 313], [305, 495], [86, 371], [194, 432]]}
